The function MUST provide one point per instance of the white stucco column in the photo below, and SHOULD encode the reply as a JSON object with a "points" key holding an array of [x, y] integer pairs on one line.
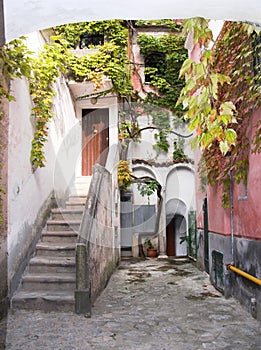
{"points": [[162, 227]]}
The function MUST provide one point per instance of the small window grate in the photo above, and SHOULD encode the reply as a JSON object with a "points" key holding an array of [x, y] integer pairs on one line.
{"points": [[218, 270]]}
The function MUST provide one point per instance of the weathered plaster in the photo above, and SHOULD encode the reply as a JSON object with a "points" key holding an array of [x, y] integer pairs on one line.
{"points": [[28, 189], [3, 227]]}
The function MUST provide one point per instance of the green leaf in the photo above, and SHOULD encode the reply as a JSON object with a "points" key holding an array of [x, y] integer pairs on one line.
{"points": [[230, 136], [223, 145], [227, 108], [187, 64]]}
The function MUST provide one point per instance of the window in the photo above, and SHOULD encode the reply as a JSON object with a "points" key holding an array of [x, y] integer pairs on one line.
{"points": [[155, 60], [87, 40]]}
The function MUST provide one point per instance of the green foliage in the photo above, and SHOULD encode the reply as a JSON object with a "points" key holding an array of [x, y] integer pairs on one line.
{"points": [[45, 70], [169, 23], [113, 31], [149, 243], [129, 131], [148, 187], [220, 95], [125, 178], [109, 60], [14, 63], [167, 82], [162, 143], [165, 79], [178, 145]]}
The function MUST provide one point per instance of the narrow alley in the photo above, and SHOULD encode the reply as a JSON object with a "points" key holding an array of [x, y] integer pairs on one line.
{"points": [[148, 304]]}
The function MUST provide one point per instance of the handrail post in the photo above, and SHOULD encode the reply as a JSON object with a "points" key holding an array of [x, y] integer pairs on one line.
{"points": [[82, 292]]}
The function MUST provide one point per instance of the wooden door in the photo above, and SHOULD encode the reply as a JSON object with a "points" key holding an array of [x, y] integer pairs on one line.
{"points": [[170, 231], [95, 138]]}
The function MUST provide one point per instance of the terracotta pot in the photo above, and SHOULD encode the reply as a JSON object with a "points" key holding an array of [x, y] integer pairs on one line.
{"points": [[151, 252]]}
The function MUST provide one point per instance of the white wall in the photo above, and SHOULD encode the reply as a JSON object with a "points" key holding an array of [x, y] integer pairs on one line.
{"points": [[25, 16], [28, 190], [181, 185]]}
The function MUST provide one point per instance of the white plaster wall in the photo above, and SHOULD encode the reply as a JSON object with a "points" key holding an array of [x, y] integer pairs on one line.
{"points": [[145, 150], [181, 185], [25, 16], [28, 190]]}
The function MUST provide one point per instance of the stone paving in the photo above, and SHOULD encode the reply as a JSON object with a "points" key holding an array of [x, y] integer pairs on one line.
{"points": [[147, 305]]}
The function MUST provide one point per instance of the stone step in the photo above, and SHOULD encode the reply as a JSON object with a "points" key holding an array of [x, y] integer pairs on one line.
{"points": [[48, 282], [82, 180], [61, 301], [62, 225], [67, 214], [60, 236], [75, 202], [79, 192], [41, 264], [55, 249]]}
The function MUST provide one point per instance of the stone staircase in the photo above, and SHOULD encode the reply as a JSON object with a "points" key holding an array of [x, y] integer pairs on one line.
{"points": [[49, 280]]}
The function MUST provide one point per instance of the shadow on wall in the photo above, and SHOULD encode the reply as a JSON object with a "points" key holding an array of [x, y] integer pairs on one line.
{"points": [[176, 227]]}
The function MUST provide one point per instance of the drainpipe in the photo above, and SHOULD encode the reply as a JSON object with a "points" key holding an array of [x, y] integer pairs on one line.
{"points": [[231, 214]]}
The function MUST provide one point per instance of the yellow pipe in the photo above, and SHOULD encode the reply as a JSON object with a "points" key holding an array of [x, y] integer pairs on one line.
{"points": [[244, 274]]}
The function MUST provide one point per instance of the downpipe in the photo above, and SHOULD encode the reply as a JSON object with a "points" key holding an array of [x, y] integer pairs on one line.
{"points": [[231, 214]]}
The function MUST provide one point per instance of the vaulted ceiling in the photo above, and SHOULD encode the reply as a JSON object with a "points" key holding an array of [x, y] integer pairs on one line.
{"points": [[25, 16]]}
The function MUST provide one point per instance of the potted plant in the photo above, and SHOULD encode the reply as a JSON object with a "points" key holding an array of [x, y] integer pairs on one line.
{"points": [[151, 250]]}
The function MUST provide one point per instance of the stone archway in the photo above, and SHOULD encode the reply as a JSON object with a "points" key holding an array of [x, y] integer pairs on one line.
{"points": [[25, 16], [176, 227]]}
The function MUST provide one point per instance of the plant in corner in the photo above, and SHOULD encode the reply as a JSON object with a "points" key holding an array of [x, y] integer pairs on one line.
{"points": [[151, 250]]}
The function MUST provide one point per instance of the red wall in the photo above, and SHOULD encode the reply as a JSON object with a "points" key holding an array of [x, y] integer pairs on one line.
{"points": [[247, 213]]}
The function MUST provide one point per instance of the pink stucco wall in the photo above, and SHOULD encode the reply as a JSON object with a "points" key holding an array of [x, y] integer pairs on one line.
{"points": [[246, 211]]}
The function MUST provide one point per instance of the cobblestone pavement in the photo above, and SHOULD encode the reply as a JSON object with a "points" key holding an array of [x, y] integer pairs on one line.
{"points": [[147, 305]]}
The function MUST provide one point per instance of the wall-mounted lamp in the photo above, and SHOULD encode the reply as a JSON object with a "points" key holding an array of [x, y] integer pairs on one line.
{"points": [[94, 100]]}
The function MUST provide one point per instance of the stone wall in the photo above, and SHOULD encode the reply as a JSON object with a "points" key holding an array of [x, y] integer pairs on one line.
{"points": [[248, 259], [100, 230]]}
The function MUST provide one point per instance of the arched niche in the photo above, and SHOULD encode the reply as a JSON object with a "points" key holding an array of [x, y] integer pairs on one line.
{"points": [[180, 183]]}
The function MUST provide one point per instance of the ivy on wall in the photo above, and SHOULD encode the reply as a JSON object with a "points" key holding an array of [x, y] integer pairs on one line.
{"points": [[14, 63], [165, 77], [220, 94], [46, 68]]}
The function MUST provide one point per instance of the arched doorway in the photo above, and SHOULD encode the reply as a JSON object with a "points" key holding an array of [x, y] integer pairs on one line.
{"points": [[176, 228]]}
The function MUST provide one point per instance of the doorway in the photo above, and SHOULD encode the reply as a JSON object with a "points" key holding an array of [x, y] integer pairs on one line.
{"points": [[171, 238], [95, 138], [176, 230]]}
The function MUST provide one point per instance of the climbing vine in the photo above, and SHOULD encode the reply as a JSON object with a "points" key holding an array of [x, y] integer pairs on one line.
{"points": [[14, 63], [220, 95], [162, 72], [109, 60], [45, 70]]}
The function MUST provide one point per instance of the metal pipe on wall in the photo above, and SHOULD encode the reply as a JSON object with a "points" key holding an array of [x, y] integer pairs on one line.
{"points": [[244, 274]]}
